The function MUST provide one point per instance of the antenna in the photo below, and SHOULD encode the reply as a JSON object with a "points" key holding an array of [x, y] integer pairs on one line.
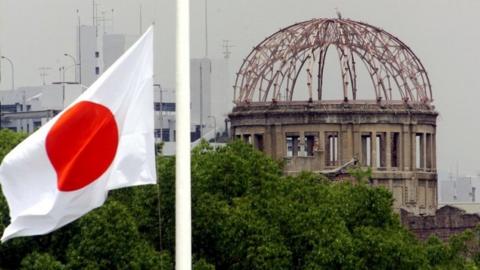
{"points": [[79, 48], [140, 20], [339, 15], [113, 16], [0, 74], [226, 48], [104, 19], [206, 28], [44, 73], [96, 17]]}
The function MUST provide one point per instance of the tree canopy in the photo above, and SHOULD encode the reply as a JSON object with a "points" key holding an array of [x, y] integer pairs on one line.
{"points": [[246, 214]]}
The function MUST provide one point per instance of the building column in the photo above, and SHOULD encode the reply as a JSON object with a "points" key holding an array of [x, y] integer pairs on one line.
{"points": [[303, 148], [267, 140], [425, 152], [357, 144], [373, 154], [280, 145], [346, 143], [388, 151], [434, 150], [405, 145], [413, 150]]}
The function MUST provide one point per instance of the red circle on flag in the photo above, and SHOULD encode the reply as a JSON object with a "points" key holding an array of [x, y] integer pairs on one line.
{"points": [[82, 144]]}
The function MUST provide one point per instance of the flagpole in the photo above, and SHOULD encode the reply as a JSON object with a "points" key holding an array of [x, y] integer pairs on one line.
{"points": [[183, 230]]}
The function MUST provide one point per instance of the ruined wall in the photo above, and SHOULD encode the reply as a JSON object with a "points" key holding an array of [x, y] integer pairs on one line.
{"points": [[446, 222], [396, 140]]}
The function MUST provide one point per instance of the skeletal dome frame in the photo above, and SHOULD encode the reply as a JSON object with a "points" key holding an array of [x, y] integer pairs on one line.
{"points": [[271, 71]]}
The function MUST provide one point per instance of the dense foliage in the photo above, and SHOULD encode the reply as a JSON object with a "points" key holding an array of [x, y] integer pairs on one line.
{"points": [[246, 215]]}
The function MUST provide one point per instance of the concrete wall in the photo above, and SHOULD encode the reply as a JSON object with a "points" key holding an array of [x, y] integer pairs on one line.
{"points": [[317, 137], [113, 47], [88, 59], [445, 222]]}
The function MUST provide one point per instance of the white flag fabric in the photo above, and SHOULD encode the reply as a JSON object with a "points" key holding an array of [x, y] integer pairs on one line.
{"points": [[102, 141]]}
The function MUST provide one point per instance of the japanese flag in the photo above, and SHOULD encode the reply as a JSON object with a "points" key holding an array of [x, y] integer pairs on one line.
{"points": [[102, 141]]}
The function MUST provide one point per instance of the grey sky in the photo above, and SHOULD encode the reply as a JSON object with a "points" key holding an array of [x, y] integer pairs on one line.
{"points": [[443, 33]]}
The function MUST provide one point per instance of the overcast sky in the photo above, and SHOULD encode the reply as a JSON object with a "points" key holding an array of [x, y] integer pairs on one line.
{"points": [[443, 34]]}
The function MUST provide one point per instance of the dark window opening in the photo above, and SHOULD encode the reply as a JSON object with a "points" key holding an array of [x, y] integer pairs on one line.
{"points": [[311, 144], [37, 124], [428, 154], [292, 141], [366, 149], [331, 149], [395, 148], [419, 151], [166, 106], [381, 150], [246, 138], [258, 141]]}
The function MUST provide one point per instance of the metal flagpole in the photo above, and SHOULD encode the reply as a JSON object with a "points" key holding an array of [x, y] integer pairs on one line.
{"points": [[183, 227]]}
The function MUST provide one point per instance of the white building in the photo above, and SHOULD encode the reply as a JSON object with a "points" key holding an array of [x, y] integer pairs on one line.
{"points": [[114, 45], [210, 102], [459, 189], [27, 108], [88, 54], [210, 90]]}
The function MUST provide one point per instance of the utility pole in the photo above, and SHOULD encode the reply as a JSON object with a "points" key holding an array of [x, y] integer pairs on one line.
{"points": [[201, 100], [62, 81], [113, 16], [161, 110], [79, 49], [214, 127], [140, 20], [206, 28], [13, 70], [75, 63], [63, 86]]}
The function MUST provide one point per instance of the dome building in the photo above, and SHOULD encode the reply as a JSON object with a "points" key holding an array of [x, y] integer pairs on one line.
{"points": [[382, 118]]}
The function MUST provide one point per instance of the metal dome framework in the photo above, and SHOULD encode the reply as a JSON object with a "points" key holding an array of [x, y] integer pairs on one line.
{"points": [[272, 69]]}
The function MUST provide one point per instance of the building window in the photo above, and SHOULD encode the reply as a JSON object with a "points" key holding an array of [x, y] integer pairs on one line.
{"points": [[311, 143], [258, 141], [9, 108], [367, 149], [247, 138], [381, 150], [164, 134], [97, 54], [166, 106], [292, 141], [419, 151], [97, 70], [395, 148], [428, 150], [331, 149], [37, 124]]}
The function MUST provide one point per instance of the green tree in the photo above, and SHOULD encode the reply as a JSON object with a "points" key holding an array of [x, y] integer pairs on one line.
{"points": [[109, 239], [44, 261], [246, 215]]}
